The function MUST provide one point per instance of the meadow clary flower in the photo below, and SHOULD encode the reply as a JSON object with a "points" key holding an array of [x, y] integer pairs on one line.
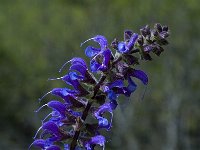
{"points": [[100, 56], [96, 140], [106, 107], [87, 94], [126, 46]]}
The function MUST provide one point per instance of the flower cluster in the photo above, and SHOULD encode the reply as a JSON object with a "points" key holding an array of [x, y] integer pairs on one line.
{"points": [[67, 126]]}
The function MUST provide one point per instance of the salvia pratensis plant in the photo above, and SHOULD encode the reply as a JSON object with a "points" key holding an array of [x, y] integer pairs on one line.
{"points": [[66, 126]]}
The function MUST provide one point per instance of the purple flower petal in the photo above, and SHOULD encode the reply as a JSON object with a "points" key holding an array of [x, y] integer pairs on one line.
{"points": [[66, 147], [103, 123], [116, 83], [111, 95], [101, 61], [69, 98], [117, 87], [99, 39], [99, 140], [80, 69], [131, 86], [53, 147], [63, 93], [78, 61], [121, 90], [126, 47], [58, 106], [106, 107], [52, 128], [40, 143], [74, 113], [106, 60], [132, 41], [59, 92], [72, 79], [56, 117], [91, 51], [74, 61], [141, 75], [94, 66], [122, 47]]}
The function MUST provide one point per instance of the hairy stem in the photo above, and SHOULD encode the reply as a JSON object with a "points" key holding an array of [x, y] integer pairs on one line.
{"points": [[85, 112]]}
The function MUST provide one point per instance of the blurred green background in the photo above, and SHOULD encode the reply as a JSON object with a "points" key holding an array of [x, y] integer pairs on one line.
{"points": [[38, 36]]}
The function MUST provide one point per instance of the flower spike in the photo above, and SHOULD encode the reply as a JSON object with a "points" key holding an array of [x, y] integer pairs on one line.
{"points": [[66, 125]]}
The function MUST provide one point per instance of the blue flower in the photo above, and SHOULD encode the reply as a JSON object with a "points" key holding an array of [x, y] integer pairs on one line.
{"points": [[117, 87], [72, 78], [53, 133], [101, 62], [127, 45], [96, 140], [89, 96], [62, 113], [79, 65], [101, 40], [44, 145], [139, 74], [106, 107], [53, 147], [40, 143], [68, 95], [100, 56], [53, 129]]}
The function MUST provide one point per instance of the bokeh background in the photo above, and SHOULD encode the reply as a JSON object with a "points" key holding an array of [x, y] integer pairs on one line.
{"points": [[38, 36]]}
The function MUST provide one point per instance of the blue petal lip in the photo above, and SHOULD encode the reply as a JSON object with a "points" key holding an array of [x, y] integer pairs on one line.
{"points": [[94, 66], [126, 47], [104, 64], [78, 60], [141, 75], [106, 60], [68, 97], [132, 41], [53, 147], [98, 139], [91, 51], [131, 85], [117, 83], [111, 95], [101, 40], [58, 106], [72, 79], [103, 123], [52, 127], [74, 61], [38, 143], [62, 92], [106, 107], [82, 70], [121, 47]]}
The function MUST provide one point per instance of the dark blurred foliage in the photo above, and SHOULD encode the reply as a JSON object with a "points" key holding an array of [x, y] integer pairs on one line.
{"points": [[38, 36]]}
